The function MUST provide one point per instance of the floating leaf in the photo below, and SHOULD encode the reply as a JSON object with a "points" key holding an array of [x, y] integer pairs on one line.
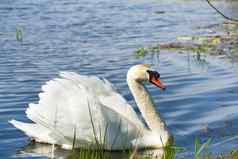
{"points": [[216, 40]]}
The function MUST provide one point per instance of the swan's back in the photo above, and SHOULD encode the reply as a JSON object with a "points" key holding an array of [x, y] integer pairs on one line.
{"points": [[86, 107]]}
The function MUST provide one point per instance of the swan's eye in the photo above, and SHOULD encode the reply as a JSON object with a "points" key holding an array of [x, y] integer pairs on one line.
{"points": [[157, 75]]}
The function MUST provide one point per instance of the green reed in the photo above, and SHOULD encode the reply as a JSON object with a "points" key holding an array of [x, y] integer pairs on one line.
{"points": [[170, 152]]}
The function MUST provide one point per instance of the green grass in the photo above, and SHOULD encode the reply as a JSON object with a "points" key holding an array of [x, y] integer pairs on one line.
{"points": [[87, 153], [234, 154], [199, 147], [168, 153]]}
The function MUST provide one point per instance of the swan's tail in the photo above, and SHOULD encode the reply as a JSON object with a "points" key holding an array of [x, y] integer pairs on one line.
{"points": [[35, 131]]}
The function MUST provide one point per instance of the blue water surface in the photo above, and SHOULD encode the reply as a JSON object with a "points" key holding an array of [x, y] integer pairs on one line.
{"points": [[99, 37]]}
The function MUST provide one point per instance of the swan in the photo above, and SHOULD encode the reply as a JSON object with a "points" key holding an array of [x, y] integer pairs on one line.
{"points": [[79, 110]]}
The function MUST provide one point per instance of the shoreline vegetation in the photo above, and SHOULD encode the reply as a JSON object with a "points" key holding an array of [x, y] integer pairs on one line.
{"points": [[223, 42]]}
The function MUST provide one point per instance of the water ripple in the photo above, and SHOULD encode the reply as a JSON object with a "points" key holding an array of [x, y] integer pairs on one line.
{"points": [[99, 37]]}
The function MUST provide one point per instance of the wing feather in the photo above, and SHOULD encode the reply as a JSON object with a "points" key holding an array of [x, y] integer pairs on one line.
{"points": [[87, 106]]}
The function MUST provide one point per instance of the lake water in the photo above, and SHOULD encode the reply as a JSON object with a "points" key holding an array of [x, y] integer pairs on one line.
{"points": [[98, 37]]}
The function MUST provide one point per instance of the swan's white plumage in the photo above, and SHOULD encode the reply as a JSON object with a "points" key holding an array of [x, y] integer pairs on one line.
{"points": [[64, 108], [90, 110]]}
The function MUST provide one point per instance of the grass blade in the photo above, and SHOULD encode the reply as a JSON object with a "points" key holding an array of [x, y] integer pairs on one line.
{"points": [[203, 146]]}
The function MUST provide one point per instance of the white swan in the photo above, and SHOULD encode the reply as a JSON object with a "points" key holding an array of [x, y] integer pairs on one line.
{"points": [[90, 110]]}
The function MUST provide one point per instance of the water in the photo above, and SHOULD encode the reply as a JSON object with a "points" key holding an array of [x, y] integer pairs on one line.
{"points": [[98, 37]]}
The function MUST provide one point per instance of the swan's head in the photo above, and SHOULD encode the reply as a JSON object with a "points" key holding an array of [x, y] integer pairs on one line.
{"points": [[142, 73]]}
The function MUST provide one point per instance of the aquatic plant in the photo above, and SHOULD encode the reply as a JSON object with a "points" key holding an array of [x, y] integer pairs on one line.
{"points": [[219, 44], [141, 52], [19, 33], [234, 154], [98, 152], [169, 152], [199, 147]]}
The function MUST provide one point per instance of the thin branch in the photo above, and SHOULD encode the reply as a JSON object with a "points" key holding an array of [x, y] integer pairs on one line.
{"points": [[222, 14]]}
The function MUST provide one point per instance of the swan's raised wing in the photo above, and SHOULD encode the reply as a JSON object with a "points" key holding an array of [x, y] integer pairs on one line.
{"points": [[88, 108], [106, 94]]}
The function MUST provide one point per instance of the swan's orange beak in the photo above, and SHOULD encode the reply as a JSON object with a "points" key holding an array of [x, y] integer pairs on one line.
{"points": [[158, 83]]}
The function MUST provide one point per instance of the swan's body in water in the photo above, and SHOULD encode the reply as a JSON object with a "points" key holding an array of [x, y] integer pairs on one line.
{"points": [[89, 111]]}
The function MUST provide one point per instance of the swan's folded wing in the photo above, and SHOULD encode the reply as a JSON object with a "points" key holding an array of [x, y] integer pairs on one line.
{"points": [[107, 95], [65, 105]]}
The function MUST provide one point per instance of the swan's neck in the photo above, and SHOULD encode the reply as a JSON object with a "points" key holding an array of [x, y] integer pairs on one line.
{"points": [[147, 108]]}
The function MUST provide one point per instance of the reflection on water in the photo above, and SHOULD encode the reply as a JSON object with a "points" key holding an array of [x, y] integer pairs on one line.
{"points": [[37, 149], [196, 61]]}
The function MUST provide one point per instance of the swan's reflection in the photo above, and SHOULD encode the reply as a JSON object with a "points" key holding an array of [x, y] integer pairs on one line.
{"points": [[34, 149], [153, 154]]}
